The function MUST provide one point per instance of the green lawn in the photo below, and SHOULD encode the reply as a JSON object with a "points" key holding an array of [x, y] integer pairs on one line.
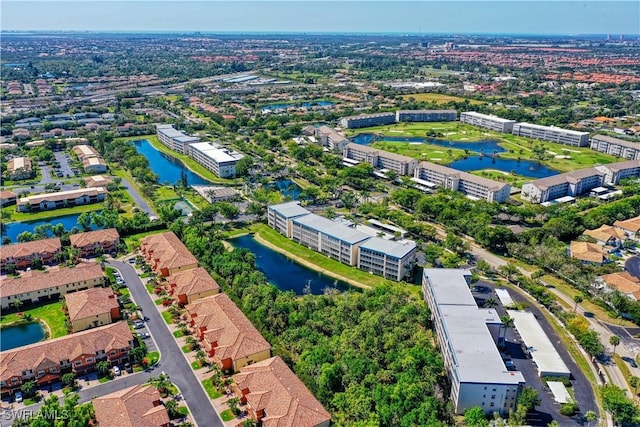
{"points": [[210, 389], [167, 317], [133, 241], [440, 98], [186, 348], [9, 213], [196, 365], [183, 410], [51, 314], [327, 265], [153, 358], [227, 415], [178, 334]]}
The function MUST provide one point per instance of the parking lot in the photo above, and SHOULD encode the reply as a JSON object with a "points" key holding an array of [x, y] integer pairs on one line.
{"points": [[65, 170]]}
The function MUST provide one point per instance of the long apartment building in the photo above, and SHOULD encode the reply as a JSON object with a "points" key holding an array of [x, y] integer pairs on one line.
{"points": [[36, 286], [166, 254], [381, 159], [174, 139], [27, 254], [61, 199], [616, 147], [216, 158], [569, 137], [487, 121], [392, 260], [45, 362], [467, 183], [331, 138], [388, 258], [615, 172], [467, 337], [565, 184], [368, 120], [426, 115]]}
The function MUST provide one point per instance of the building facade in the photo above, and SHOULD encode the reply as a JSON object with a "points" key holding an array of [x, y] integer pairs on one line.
{"points": [[402, 165], [487, 121], [216, 158], [469, 184], [190, 285], [30, 254], [174, 139], [166, 254], [98, 242], [61, 199], [426, 115], [566, 184], [368, 120], [331, 138], [615, 172], [616, 147], [279, 216], [572, 138], [390, 259], [92, 308]]}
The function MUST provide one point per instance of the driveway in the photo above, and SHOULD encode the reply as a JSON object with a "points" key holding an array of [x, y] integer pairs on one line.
{"points": [[633, 266], [172, 360], [137, 198]]}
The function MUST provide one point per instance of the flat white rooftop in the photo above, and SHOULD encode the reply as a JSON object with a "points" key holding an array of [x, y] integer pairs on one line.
{"points": [[215, 153], [449, 286], [389, 247], [560, 393], [504, 297], [542, 351], [289, 209]]}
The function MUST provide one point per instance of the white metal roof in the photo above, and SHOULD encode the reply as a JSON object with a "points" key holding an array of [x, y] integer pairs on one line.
{"points": [[504, 297], [560, 393]]}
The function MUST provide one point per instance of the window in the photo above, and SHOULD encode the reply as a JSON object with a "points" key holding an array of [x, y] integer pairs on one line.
{"points": [[491, 404], [112, 353], [77, 363], [89, 359], [41, 373], [53, 370], [493, 396]]}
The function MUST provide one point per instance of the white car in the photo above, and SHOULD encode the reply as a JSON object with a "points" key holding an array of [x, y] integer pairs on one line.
{"points": [[18, 396], [116, 371]]}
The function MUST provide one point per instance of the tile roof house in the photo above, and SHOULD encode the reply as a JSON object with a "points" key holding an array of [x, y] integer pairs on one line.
{"points": [[34, 286], [92, 308], [226, 333], [587, 252], [97, 181], [46, 361], [23, 255], [275, 397], [7, 198], [189, 285], [630, 226], [96, 242], [20, 168], [624, 283], [137, 406], [166, 254], [607, 235]]}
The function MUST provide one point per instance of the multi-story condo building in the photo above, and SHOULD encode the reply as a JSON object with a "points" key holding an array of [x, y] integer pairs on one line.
{"points": [[387, 258], [61, 199], [216, 158], [174, 139], [20, 168], [92, 308], [402, 165], [467, 337], [84, 151], [35, 286], [331, 138], [335, 240], [616, 147], [96, 242], [135, 406], [469, 184], [190, 285], [487, 121], [368, 120], [276, 397], [279, 216], [166, 254], [615, 172], [566, 184], [573, 138], [45, 362], [426, 115], [29, 254], [94, 165]]}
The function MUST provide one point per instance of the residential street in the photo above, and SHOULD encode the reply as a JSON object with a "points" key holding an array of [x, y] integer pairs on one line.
{"points": [[137, 198]]}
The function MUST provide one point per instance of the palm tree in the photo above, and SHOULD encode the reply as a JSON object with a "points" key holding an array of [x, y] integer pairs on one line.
{"points": [[490, 302], [634, 382], [590, 416], [29, 388], [172, 409], [103, 367], [577, 299], [201, 357], [614, 341], [17, 304], [509, 270]]}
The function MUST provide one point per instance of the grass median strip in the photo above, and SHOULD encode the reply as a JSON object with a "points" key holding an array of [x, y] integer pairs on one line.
{"points": [[211, 390]]}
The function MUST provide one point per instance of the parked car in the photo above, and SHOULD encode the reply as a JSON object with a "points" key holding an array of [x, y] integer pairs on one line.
{"points": [[18, 396], [128, 367], [138, 324], [116, 371], [132, 260], [144, 335]]}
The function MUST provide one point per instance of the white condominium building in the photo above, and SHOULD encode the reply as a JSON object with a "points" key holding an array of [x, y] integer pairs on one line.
{"points": [[615, 172], [337, 241], [216, 158], [368, 120], [174, 139], [552, 134], [331, 138], [390, 259], [566, 184], [616, 147], [380, 159], [469, 184], [487, 121], [467, 337], [279, 216], [426, 115]]}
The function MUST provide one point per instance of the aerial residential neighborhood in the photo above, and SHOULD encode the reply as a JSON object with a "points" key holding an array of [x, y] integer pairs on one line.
{"points": [[297, 214]]}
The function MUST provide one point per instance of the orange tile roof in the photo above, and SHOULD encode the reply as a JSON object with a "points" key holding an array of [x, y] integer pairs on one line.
{"points": [[622, 282], [273, 388], [606, 233], [30, 248], [631, 224], [225, 324], [98, 236], [97, 181], [35, 280], [6, 194], [51, 352], [169, 250], [191, 282], [89, 303], [586, 251], [131, 407]]}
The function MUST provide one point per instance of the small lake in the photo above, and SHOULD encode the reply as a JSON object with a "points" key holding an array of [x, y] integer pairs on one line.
{"points": [[308, 104], [20, 335], [528, 168], [13, 229], [167, 168], [287, 188], [285, 273]]}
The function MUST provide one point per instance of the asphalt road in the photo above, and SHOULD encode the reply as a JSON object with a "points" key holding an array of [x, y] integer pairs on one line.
{"points": [[633, 266], [172, 360], [137, 198]]}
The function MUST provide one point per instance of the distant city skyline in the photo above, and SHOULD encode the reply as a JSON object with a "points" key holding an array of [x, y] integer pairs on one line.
{"points": [[410, 17]]}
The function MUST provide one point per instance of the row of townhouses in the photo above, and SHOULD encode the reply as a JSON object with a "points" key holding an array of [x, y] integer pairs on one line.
{"points": [[391, 259]]}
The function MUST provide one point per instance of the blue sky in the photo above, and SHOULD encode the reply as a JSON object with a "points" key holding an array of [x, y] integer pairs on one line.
{"points": [[498, 17]]}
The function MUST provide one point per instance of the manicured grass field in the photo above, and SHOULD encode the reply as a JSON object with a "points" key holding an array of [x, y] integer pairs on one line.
{"points": [[9, 213], [51, 314], [227, 415], [167, 317], [210, 389], [440, 98], [133, 241], [320, 261]]}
